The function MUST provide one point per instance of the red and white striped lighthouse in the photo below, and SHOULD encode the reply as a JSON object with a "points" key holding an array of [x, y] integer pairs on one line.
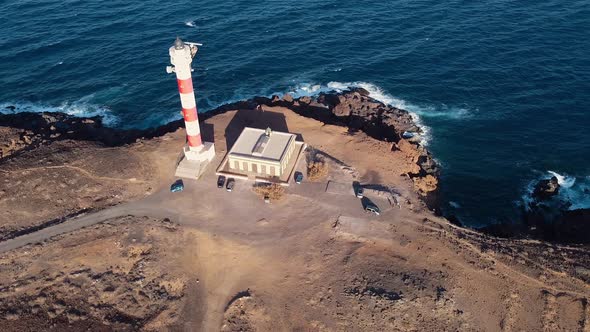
{"points": [[181, 57]]}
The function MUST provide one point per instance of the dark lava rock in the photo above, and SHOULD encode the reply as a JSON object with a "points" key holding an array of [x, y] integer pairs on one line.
{"points": [[361, 91], [559, 224], [546, 189], [45, 127], [305, 100], [574, 226], [547, 217], [288, 98]]}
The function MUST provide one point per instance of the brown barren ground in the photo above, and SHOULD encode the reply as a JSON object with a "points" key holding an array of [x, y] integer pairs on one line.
{"points": [[207, 260]]}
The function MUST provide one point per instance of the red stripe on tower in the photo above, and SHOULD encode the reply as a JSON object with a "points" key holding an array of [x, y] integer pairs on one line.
{"points": [[194, 140], [185, 86], [189, 114]]}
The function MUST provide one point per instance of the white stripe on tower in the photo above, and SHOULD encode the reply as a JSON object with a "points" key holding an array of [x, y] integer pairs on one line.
{"points": [[187, 100]]}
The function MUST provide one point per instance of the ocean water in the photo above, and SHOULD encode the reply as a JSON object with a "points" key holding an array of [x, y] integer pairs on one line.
{"points": [[501, 87]]}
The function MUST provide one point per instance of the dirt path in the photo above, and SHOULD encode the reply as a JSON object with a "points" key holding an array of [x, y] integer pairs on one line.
{"points": [[67, 226]]}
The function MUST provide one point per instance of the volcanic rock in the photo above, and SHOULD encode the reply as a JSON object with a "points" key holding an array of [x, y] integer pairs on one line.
{"points": [[546, 189], [305, 100], [288, 98]]}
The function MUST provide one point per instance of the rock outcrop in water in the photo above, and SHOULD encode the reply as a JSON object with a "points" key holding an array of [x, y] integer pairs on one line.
{"points": [[547, 216], [546, 189]]}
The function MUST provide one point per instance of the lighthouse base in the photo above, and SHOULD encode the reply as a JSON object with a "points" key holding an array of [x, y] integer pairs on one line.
{"points": [[195, 161]]}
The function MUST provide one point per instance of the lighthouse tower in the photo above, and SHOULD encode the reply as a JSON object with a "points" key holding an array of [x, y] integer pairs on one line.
{"points": [[197, 154]]}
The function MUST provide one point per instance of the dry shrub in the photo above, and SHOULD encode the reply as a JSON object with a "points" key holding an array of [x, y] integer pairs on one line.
{"points": [[317, 169], [274, 191]]}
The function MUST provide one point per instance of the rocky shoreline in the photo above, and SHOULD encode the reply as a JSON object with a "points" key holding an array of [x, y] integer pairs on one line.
{"points": [[547, 218], [138, 257], [354, 109]]}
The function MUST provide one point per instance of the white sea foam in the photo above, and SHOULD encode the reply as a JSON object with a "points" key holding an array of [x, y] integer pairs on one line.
{"points": [[454, 204], [563, 180], [454, 113], [416, 111], [580, 197], [575, 190], [191, 24], [308, 89], [79, 108], [572, 189]]}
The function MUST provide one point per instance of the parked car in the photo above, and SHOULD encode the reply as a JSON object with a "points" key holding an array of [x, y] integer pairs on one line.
{"points": [[220, 181], [177, 186], [298, 177], [230, 184], [372, 208], [359, 192]]}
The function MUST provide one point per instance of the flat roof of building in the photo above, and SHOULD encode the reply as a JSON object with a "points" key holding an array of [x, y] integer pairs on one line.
{"points": [[254, 143]]}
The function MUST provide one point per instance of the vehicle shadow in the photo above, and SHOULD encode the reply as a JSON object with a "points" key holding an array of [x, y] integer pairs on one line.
{"points": [[366, 202], [370, 206]]}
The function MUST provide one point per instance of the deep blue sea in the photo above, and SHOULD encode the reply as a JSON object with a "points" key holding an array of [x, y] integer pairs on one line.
{"points": [[502, 87]]}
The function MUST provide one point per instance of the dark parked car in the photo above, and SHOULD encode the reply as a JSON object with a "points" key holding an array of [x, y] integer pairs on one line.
{"points": [[359, 192], [177, 186], [230, 184], [298, 177], [220, 181]]}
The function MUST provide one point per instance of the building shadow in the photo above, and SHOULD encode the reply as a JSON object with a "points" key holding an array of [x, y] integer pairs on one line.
{"points": [[255, 119], [207, 131]]}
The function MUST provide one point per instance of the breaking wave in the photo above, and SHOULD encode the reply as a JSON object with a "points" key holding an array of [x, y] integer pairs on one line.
{"points": [[455, 205], [564, 181], [417, 112], [191, 24], [574, 190], [78, 108]]}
